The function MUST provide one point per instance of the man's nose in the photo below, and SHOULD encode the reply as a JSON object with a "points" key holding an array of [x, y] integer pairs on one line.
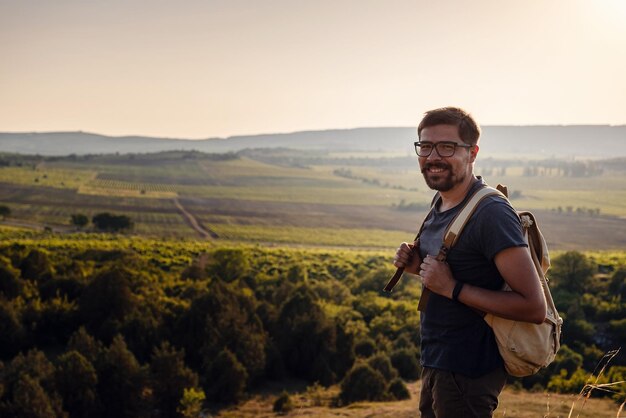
{"points": [[434, 155]]}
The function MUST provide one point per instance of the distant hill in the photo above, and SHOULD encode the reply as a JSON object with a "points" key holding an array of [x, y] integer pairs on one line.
{"points": [[594, 141]]}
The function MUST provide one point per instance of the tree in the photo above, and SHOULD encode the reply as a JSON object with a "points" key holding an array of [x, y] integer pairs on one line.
{"points": [[76, 380], [226, 378], [229, 264], [86, 345], [106, 301], [307, 339], [12, 333], [10, 284], [223, 318], [4, 211], [79, 220], [28, 387], [572, 271], [36, 266], [30, 400], [121, 382], [617, 285], [170, 377], [112, 223]]}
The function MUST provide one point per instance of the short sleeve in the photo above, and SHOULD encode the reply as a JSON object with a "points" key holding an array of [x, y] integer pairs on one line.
{"points": [[496, 227]]}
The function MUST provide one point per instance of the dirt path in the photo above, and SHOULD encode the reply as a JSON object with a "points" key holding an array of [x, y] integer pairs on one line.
{"points": [[193, 222]]}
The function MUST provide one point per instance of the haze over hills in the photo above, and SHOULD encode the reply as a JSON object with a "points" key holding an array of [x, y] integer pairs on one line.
{"points": [[586, 141]]}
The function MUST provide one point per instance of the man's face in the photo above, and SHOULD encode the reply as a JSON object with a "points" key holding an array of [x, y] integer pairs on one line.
{"points": [[444, 173]]}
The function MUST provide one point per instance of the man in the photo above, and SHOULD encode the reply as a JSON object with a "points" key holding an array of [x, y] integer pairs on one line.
{"points": [[463, 373]]}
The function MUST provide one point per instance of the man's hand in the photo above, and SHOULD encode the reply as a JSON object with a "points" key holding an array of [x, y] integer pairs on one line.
{"points": [[436, 276], [407, 258]]}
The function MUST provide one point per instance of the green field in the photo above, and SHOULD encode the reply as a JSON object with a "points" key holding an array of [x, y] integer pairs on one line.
{"points": [[287, 197]]}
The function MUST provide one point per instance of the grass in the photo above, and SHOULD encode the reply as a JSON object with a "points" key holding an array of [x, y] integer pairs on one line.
{"points": [[51, 177], [513, 404], [310, 236]]}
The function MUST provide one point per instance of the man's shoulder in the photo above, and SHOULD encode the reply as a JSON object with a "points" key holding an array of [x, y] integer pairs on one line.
{"points": [[495, 209]]}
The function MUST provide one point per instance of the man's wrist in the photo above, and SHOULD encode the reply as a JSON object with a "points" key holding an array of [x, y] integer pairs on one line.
{"points": [[457, 290]]}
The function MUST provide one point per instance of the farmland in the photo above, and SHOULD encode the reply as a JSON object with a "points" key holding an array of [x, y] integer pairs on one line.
{"points": [[347, 199]]}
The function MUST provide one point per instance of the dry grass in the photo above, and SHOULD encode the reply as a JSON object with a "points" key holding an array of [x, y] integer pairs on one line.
{"points": [[513, 404]]}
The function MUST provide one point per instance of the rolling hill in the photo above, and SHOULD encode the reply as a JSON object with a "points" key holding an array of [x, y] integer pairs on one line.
{"points": [[571, 141]]}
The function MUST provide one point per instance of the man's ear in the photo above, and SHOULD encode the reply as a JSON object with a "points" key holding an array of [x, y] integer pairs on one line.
{"points": [[474, 153]]}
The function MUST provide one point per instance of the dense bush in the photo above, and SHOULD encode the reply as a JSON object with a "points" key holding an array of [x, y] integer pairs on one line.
{"points": [[363, 383], [398, 390], [365, 347], [406, 362], [382, 365]]}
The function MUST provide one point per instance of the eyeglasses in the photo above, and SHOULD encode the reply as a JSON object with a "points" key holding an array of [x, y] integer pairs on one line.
{"points": [[444, 149]]}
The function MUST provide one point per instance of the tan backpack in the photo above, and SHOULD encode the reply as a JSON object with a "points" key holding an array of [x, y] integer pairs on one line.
{"points": [[525, 347]]}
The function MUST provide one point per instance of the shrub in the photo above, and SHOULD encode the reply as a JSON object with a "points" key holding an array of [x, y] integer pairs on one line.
{"points": [[79, 220], [398, 390], [36, 266], [191, 403], [562, 383], [365, 348], [283, 404], [315, 393], [382, 364], [362, 383], [229, 264], [407, 363], [4, 211]]}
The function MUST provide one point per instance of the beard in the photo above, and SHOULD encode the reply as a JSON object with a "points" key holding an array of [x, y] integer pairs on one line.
{"points": [[443, 181]]}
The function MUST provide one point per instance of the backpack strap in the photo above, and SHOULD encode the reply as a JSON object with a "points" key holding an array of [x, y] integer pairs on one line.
{"points": [[414, 250], [454, 229], [457, 224]]}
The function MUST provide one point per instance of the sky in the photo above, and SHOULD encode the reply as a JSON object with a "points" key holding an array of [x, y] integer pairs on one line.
{"points": [[211, 68]]}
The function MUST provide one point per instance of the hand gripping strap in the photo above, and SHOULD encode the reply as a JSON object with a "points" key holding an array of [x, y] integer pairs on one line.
{"points": [[414, 250]]}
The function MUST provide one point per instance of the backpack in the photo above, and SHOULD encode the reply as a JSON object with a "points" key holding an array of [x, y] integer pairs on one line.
{"points": [[525, 347]]}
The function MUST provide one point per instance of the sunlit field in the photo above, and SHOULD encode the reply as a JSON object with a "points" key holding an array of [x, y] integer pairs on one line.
{"points": [[342, 199]]}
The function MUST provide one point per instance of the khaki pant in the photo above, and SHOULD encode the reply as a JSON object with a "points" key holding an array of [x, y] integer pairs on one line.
{"points": [[451, 395]]}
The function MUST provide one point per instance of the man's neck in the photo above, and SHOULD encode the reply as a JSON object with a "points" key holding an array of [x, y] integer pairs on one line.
{"points": [[454, 196]]}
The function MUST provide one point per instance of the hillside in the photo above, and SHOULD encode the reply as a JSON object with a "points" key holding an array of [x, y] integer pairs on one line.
{"points": [[538, 141]]}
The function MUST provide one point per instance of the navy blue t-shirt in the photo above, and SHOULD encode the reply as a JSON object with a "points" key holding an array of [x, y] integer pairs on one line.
{"points": [[454, 336]]}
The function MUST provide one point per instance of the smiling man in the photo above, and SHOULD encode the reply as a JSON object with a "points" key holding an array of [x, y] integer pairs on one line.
{"points": [[463, 373]]}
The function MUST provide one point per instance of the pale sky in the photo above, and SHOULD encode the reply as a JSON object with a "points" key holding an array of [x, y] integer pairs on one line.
{"points": [[213, 68]]}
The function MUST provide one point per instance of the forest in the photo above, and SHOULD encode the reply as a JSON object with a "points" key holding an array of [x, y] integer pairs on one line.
{"points": [[108, 325]]}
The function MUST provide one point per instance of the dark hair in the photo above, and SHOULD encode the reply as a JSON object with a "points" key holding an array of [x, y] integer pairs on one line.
{"points": [[468, 128]]}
